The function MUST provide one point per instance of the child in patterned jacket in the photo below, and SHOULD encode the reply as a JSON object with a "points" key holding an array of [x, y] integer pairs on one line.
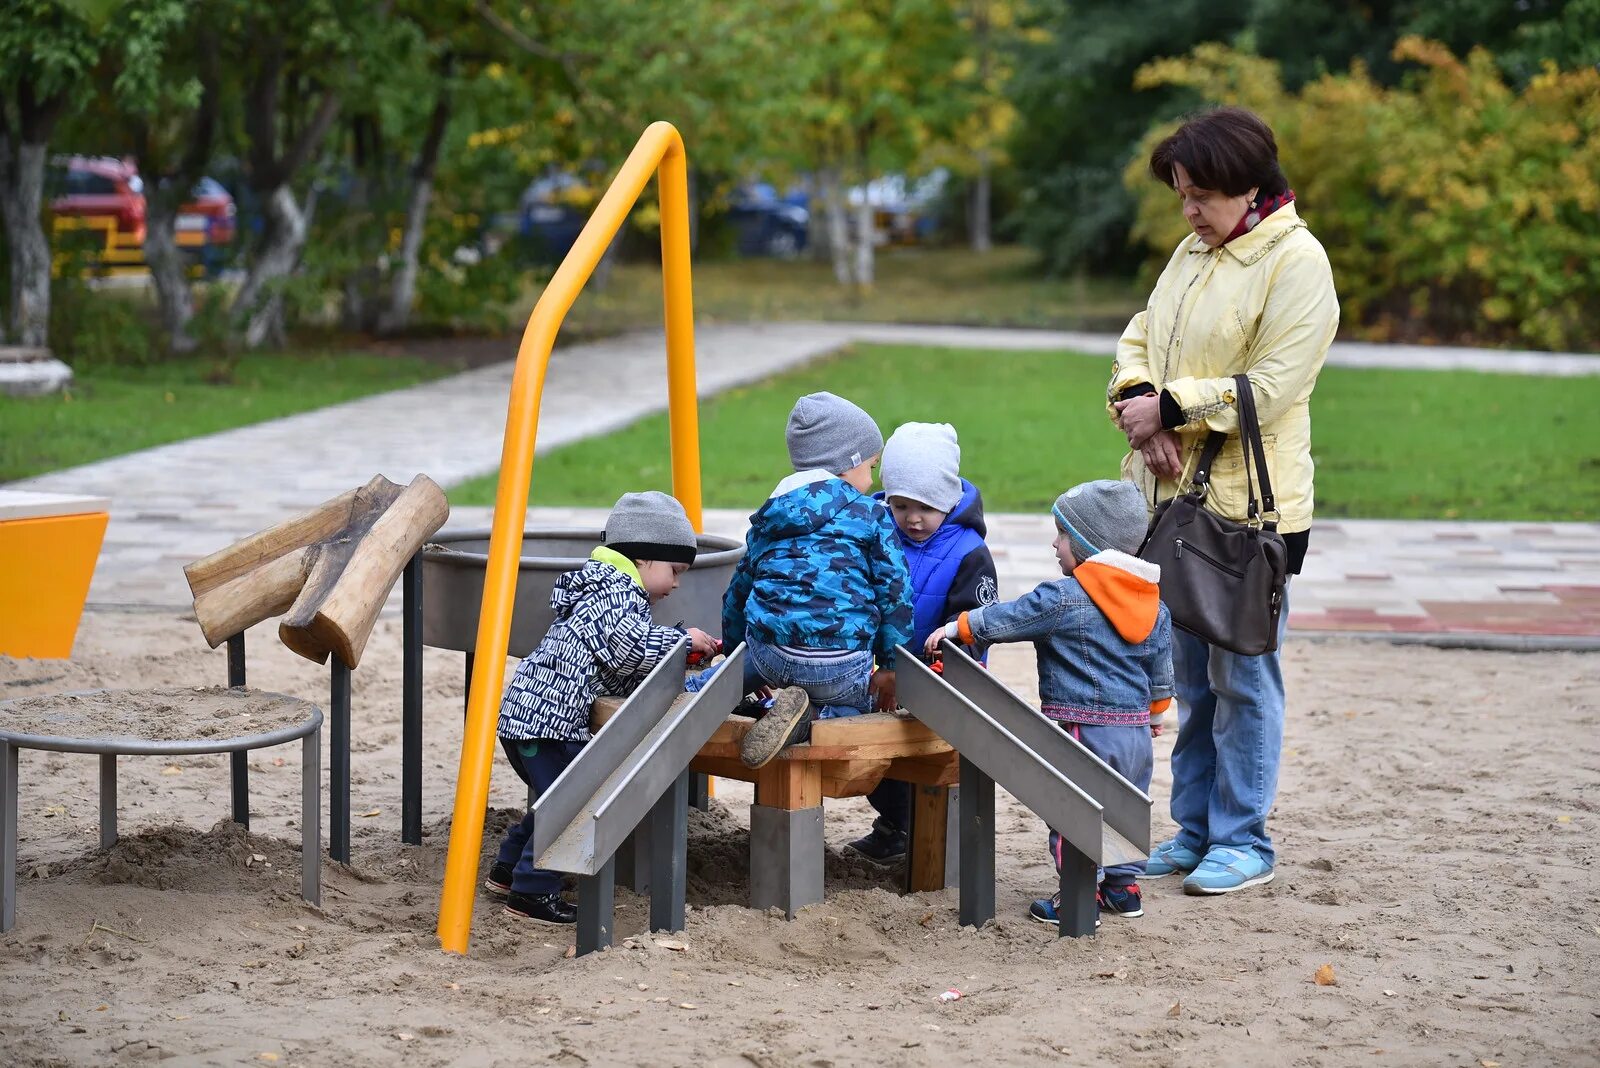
{"points": [[822, 589], [602, 641]]}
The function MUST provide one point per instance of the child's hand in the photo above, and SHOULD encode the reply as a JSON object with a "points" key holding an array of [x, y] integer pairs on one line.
{"points": [[931, 646], [882, 684], [701, 644]]}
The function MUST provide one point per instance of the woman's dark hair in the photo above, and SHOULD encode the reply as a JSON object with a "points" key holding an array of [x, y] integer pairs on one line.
{"points": [[1227, 149]]}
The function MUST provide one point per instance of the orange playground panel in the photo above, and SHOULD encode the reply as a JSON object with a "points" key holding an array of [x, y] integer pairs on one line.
{"points": [[48, 547]]}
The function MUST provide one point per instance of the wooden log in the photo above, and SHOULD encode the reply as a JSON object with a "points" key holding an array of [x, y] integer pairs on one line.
{"points": [[339, 605], [247, 599]]}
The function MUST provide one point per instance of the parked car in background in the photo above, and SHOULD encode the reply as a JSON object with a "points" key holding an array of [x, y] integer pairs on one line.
{"points": [[766, 225], [551, 214], [108, 195], [100, 188]]}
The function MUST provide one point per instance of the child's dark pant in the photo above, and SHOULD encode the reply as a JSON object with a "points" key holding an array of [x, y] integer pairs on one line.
{"points": [[538, 763], [1129, 752]]}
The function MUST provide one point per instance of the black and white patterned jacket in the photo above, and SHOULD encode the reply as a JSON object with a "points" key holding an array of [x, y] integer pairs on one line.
{"points": [[602, 642]]}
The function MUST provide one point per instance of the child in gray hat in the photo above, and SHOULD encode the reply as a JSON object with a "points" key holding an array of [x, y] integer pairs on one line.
{"points": [[1104, 643], [602, 641], [822, 589]]}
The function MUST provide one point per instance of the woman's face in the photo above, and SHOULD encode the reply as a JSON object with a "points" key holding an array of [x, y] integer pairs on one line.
{"points": [[1210, 214]]}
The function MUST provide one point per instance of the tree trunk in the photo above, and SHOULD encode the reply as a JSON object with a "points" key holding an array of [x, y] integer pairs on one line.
{"points": [[838, 225], [259, 303], [174, 297], [21, 192], [403, 287], [979, 224], [866, 244]]}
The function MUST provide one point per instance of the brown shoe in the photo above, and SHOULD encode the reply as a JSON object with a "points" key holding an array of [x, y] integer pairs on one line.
{"points": [[783, 725]]}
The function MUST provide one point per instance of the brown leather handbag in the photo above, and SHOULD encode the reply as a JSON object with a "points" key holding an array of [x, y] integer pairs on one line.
{"points": [[1221, 579]]}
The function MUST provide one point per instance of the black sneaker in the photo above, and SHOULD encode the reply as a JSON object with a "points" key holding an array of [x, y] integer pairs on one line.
{"points": [[1047, 910], [787, 723], [884, 844], [1122, 900], [499, 881], [544, 908]]}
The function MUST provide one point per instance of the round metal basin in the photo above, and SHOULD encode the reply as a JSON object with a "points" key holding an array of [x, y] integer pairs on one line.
{"points": [[452, 585]]}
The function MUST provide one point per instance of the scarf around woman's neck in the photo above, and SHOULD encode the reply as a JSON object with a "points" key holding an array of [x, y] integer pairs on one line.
{"points": [[1263, 208]]}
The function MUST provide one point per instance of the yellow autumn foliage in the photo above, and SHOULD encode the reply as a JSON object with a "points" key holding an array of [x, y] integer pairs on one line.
{"points": [[1453, 207]]}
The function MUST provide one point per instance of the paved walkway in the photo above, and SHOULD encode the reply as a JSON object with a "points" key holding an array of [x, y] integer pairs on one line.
{"points": [[175, 503]]}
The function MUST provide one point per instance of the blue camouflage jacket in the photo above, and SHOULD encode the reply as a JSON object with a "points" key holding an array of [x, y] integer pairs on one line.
{"points": [[822, 569]]}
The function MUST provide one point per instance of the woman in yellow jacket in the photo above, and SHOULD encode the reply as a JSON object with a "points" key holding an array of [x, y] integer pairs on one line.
{"points": [[1249, 291]]}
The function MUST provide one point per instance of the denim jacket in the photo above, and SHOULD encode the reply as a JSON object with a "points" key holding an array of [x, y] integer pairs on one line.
{"points": [[1104, 640]]}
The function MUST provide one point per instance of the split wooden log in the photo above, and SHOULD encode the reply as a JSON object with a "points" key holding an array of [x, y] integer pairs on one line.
{"points": [[330, 568]]}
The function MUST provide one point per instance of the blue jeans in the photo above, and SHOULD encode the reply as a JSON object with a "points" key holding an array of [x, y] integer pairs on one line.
{"points": [[1230, 740], [537, 763], [1129, 752], [836, 681]]}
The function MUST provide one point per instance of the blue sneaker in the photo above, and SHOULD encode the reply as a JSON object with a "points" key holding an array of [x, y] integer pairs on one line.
{"points": [[1226, 869], [1122, 901], [1170, 858], [1047, 910]]}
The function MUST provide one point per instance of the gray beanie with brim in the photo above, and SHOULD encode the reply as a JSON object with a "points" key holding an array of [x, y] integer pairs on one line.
{"points": [[1099, 515], [651, 526], [828, 433]]}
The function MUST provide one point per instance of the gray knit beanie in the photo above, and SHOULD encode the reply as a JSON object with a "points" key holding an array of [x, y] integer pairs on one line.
{"points": [[830, 434], [651, 526], [922, 461], [1103, 514]]}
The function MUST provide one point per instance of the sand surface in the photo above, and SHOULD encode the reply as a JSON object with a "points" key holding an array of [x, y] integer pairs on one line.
{"points": [[1437, 826]]}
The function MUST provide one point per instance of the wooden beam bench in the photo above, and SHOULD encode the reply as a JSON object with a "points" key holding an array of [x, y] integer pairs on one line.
{"points": [[846, 757]]}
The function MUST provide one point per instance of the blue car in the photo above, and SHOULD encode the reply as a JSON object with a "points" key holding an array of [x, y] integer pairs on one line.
{"points": [[766, 225]]}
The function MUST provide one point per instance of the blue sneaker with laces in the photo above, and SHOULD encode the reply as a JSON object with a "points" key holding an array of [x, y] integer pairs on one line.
{"points": [[1170, 858], [1226, 869], [1125, 901], [1047, 910]]}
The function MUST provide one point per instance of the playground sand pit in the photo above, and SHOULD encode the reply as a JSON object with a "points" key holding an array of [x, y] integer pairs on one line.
{"points": [[1437, 825]]}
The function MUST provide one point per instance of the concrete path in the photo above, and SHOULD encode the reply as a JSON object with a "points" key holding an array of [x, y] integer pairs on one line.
{"points": [[175, 503]]}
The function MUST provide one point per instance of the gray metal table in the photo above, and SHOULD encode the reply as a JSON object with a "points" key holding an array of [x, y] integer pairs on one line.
{"points": [[171, 722]]}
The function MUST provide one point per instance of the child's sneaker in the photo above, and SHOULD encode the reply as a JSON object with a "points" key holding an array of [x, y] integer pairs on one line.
{"points": [[499, 881], [1121, 900], [1048, 910], [787, 723], [543, 908], [884, 844]]}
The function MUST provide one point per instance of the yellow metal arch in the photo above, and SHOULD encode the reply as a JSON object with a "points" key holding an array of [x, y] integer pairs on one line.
{"points": [[659, 152]]}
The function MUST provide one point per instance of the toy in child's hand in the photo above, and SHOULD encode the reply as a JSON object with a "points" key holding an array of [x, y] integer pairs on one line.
{"points": [[699, 659]]}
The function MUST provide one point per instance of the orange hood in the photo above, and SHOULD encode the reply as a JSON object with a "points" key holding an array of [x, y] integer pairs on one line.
{"points": [[1126, 589]]}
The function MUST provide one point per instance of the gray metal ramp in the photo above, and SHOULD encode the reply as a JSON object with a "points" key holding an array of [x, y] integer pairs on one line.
{"points": [[1126, 837], [612, 785]]}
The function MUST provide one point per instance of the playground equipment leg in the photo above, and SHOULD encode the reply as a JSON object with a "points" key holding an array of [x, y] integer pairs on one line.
{"points": [[933, 841], [339, 762], [411, 704], [786, 848], [700, 791], [977, 846], [466, 691], [108, 800], [633, 860], [597, 898], [311, 817], [241, 759], [8, 836], [1078, 911], [669, 855]]}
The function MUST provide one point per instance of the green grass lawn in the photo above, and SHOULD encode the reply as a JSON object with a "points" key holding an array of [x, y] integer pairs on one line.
{"points": [[114, 410], [1389, 444], [1004, 287]]}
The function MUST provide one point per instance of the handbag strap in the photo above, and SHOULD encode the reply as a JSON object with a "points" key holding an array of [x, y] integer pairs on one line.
{"points": [[1250, 433]]}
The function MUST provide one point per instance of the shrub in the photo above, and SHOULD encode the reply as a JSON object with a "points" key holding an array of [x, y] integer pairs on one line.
{"points": [[1452, 207]]}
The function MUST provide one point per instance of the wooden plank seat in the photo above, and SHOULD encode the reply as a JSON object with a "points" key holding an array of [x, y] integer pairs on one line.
{"points": [[846, 757]]}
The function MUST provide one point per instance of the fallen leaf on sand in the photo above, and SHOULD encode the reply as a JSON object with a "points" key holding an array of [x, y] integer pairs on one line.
{"points": [[266, 1056], [672, 944], [1175, 1010], [452, 986], [277, 762], [370, 813], [926, 920], [173, 769], [1489, 1064], [572, 951], [1324, 976], [1118, 974]]}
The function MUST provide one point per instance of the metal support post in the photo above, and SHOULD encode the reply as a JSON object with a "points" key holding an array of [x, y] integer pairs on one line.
{"points": [[700, 791], [786, 855], [339, 762], [977, 846], [311, 817], [1076, 916], [669, 855], [597, 902], [633, 859], [108, 800], [240, 761], [8, 836], [411, 703]]}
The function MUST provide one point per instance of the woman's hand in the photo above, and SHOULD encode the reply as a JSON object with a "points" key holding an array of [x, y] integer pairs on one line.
{"points": [[882, 684], [1139, 418], [1163, 454]]}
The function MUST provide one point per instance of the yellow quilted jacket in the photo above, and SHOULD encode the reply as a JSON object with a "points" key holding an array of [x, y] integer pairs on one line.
{"points": [[1262, 304]]}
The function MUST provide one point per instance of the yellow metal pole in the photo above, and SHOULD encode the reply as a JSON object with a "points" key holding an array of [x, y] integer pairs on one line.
{"points": [[659, 142], [683, 409]]}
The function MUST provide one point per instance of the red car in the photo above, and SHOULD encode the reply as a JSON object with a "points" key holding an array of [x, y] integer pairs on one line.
{"points": [[100, 186]]}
